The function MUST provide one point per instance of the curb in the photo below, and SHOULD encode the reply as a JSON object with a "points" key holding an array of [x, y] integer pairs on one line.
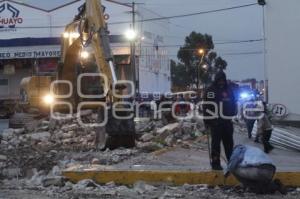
{"points": [[129, 177]]}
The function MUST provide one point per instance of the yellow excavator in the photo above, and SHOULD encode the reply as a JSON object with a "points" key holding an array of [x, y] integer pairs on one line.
{"points": [[86, 74]]}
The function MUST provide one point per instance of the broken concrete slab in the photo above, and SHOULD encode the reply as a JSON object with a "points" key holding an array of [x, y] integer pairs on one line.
{"points": [[40, 136], [147, 137], [3, 158], [84, 184], [58, 181], [149, 146], [170, 128], [141, 187], [7, 134], [70, 127]]}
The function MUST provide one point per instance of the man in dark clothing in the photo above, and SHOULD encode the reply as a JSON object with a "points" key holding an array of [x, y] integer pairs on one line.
{"points": [[222, 96]]}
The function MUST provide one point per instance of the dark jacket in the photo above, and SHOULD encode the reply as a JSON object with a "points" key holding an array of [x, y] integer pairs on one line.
{"points": [[222, 97]]}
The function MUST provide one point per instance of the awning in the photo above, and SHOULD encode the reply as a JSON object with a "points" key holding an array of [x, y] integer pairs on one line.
{"points": [[44, 41], [29, 42], [26, 48]]}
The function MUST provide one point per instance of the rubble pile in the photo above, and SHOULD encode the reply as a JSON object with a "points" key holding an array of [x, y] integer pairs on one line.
{"points": [[183, 133], [49, 186], [49, 142]]}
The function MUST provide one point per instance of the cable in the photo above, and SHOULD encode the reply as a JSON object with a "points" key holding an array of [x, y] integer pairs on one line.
{"points": [[188, 15], [221, 54], [178, 45], [159, 18]]}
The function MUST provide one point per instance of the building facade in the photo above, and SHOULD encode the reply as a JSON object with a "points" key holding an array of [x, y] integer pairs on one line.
{"points": [[282, 51], [30, 42]]}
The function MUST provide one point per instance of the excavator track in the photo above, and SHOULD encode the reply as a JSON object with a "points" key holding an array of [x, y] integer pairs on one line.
{"points": [[117, 133]]}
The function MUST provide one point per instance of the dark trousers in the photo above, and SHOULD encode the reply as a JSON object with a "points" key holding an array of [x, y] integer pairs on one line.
{"points": [[266, 139], [221, 131], [250, 124]]}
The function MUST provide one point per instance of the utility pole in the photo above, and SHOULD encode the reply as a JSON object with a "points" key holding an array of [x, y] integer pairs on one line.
{"points": [[133, 49], [266, 87]]}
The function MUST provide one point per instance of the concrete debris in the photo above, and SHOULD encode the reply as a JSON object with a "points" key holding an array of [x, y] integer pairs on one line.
{"points": [[170, 128], [96, 161], [141, 187], [3, 158], [41, 136], [19, 131], [149, 146], [183, 133], [10, 173], [38, 154], [83, 184], [18, 189], [147, 137], [58, 181], [7, 134], [111, 184]]}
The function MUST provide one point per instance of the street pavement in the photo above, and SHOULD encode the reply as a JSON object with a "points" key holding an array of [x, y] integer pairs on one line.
{"points": [[197, 159]]}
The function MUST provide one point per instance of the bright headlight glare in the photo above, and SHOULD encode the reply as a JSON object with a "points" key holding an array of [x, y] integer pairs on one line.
{"points": [[244, 95], [48, 99], [66, 34], [84, 55], [75, 35]]}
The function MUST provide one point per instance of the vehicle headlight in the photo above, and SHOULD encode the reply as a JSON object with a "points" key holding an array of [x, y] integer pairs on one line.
{"points": [[244, 95], [48, 99], [84, 54]]}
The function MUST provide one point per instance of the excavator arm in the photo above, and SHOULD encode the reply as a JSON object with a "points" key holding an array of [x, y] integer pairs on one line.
{"points": [[88, 32]]}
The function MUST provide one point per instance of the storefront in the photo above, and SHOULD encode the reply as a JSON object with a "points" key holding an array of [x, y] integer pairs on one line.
{"points": [[30, 43]]}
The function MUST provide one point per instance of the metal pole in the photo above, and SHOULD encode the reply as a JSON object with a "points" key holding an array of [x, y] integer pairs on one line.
{"points": [[197, 77], [133, 52], [266, 87]]}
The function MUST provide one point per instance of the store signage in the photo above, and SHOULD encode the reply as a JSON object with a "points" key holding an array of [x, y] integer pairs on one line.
{"points": [[29, 54], [9, 17]]}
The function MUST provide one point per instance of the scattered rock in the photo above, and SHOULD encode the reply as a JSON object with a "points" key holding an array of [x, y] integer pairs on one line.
{"points": [[84, 113], [95, 161], [41, 136], [141, 187], [19, 131], [7, 134], [3, 158], [85, 183], [11, 172], [56, 171], [170, 128], [70, 127], [58, 181], [149, 146], [147, 137], [110, 184]]}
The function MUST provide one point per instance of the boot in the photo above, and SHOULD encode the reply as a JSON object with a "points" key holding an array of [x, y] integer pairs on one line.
{"points": [[268, 148], [216, 166]]}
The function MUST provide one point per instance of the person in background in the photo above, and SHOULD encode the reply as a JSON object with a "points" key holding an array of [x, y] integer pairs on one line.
{"points": [[221, 127], [264, 129], [249, 115]]}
